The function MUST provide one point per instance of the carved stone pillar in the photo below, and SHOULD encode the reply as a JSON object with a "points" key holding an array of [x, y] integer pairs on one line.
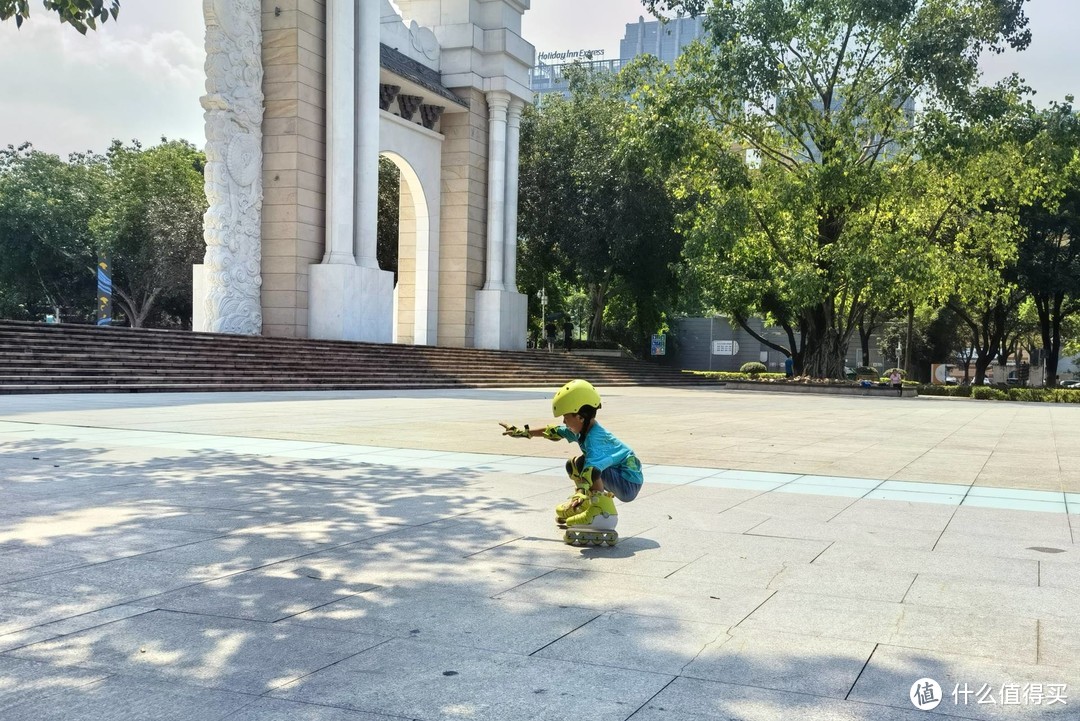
{"points": [[513, 142], [230, 278]]}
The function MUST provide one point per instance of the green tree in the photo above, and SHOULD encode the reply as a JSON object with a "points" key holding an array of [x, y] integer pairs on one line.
{"points": [[386, 247], [592, 208], [152, 227], [985, 172], [80, 14], [47, 256], [1049, 259], [818, 95]]}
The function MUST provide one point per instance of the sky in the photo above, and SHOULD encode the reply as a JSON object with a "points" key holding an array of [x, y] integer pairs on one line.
{"points": [[141, 77]]}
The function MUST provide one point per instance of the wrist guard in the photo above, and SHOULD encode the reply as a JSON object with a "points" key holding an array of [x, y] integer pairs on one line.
{"points": [[515, 432]]}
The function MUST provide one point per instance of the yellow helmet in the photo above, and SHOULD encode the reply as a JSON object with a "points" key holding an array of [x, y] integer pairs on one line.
{"points": [[572, 396]]}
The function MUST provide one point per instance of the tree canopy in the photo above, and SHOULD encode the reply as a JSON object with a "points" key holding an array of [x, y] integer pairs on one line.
{"points": [[151, 227], [80, 14], [593, 212], [818, 97], [142, 208]]}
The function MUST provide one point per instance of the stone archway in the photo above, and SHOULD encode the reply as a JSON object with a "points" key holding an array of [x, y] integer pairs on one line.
{"points": [[416, 290], [291, 232]]}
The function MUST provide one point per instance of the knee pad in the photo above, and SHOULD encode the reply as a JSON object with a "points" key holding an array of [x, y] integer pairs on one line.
{"points": [[574, 467]]}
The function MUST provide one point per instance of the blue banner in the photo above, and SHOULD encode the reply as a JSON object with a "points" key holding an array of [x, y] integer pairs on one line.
{"points": [[104, 292]]}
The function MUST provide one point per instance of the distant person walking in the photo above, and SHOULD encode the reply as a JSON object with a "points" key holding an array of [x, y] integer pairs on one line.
{"points": [[568, 335], [897, 382], [549, 331]]}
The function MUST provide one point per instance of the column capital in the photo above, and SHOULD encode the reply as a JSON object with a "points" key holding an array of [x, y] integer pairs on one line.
{"points": [[498, 102], [513, 113]]}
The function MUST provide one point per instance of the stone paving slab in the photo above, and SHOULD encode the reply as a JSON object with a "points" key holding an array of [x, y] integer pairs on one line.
{"points": [[985, 679], [630, 641], [22, 680], [122, 698], [687, 699], [814, 665], [302, 549], [992, 635], [704, 601], [227, 654], [421, 680], [451, 619]]}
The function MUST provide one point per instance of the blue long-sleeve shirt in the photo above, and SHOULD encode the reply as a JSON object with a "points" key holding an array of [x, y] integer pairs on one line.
{"points": [[603, 450]]}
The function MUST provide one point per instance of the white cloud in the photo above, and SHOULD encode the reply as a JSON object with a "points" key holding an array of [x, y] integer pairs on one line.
{"points": [[169, 57], [66, 92]]}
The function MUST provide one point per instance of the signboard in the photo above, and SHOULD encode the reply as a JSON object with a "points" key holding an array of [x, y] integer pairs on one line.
{"points": [[939, 372], [563, 56], [659, 344], [725, 347]]}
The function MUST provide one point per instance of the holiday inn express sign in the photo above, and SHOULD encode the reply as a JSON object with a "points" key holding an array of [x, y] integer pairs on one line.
{"points": [[569, 55]]}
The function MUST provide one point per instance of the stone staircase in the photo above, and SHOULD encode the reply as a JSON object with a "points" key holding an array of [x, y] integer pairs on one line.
{"points": [[40, 358]]}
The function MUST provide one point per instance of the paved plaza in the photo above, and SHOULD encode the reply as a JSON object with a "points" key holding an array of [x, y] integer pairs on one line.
{"points": [[383, 556]]}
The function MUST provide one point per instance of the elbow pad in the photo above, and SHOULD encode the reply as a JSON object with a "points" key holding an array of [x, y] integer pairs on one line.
{"points": [[552, 432]]}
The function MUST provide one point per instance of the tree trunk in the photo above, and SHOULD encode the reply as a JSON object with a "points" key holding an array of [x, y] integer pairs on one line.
{"points": [[867, 325], [598, 299], [1049, 310], [907, 340], [982, 362], [825, 348]]}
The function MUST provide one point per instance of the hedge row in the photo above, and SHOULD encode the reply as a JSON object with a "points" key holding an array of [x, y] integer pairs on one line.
{"points": [[737, 376], [1030, 395]]}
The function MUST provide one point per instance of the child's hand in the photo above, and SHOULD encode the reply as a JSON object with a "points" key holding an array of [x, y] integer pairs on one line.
{"points": [[515, 432]]}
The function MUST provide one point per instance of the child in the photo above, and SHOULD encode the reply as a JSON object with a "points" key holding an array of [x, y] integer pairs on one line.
{"points": [[607, 468]]}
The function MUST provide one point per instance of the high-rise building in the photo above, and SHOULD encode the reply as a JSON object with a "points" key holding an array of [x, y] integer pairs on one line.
{"points": [[665, 40]]}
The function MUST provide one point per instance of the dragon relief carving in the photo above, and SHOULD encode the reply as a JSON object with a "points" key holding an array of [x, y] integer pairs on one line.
{"points": [[234, 110]]}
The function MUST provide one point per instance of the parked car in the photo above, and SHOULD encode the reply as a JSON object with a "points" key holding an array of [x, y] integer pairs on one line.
{"points": [[1074, 383]]}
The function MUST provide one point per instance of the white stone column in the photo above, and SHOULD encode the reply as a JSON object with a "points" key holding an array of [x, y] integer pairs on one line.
{"points": [[340, 131], [347, 299], [513, 142], [498, 102], [367, 146]]}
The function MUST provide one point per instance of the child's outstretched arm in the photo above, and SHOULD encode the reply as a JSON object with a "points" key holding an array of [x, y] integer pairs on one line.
{"points": [[515, 432], [549, 432]]}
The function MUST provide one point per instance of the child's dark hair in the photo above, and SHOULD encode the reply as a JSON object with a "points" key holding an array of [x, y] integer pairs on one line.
{"points": [[587, 413]]}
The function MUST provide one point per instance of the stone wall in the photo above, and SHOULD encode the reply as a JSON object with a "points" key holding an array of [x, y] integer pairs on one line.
{"points": [[294, 159], [464, 218]]}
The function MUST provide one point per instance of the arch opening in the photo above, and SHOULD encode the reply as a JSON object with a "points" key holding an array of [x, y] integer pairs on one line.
{"points": [[404, 245]]}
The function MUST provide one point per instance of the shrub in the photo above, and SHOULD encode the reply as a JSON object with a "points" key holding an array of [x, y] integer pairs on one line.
{"points": [[988, 393], [736, 376], [889, 372], [1062, 395], [1029, 395], [753, 369]]}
